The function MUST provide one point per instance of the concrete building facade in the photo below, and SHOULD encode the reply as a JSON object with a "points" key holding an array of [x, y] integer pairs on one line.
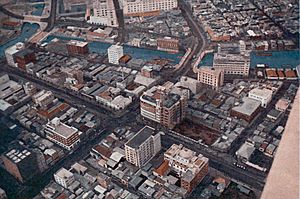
{"points": [[160, 105], [143, 146], [62, 134], [211, 76], [147, 7], [21, 163], [115, 52], [168, 44], [102, 13], [64, 177], [232, 64], [263, 95], [191, 168]]}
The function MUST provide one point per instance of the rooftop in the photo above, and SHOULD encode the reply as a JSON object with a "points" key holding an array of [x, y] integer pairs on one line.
{"points": [[60, 128], [245, 151], [63, 173], [77, 43], [248, 107], [17, 154], [261, 92], [140, 137]]}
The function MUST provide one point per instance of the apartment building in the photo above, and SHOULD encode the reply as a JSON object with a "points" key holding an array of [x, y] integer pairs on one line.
{"points": [[160, 105], [191, 168], [102, 12], [232, 64], [62, 134], [143, 146], [263, 95], [211, 76], [64, 177], [115, 52], [147, 7]]}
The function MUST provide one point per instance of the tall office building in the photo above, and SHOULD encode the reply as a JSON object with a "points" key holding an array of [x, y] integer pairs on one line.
{"points": [[191, 168], [211, 76], [143, 146], [62, 134], [160, 105], [103, 13], [21, 163], [115, 52], [147, 7], [232, 64]]}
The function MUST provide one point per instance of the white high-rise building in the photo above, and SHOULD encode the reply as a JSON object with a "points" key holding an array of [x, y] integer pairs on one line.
{"points": [[145, 7], [143, 146], [115, 52], [11, 51], [103, 13]]}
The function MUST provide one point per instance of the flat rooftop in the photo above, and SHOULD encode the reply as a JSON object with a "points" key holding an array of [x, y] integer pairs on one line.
{"points": [[140, 137], [261, 92], [248, 107], [78, 43], [61, 128]]}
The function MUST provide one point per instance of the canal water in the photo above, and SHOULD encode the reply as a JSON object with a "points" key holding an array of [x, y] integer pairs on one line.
{"points": [[39, 8], [137, 53], [27, 31], [274, 59]]}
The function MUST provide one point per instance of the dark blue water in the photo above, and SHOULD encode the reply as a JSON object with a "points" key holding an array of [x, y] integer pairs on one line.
{"points": [[27, 31], [138, 53], [39, 8], [278, 59]]}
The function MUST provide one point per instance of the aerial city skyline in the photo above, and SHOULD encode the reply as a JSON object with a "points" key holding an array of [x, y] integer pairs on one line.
{"points": [[164, 99]]}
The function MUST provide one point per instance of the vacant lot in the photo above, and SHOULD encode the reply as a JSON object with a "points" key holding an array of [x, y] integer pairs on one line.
{"points": [[198, 132]]}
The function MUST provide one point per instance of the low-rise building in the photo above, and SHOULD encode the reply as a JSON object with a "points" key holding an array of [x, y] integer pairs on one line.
{"points": [[191, 168], [247, 110], [282, 104], [64, 177], [245, 152], [143, 146], [263, 95], [62, 134], [168, 44], [43, 98]]}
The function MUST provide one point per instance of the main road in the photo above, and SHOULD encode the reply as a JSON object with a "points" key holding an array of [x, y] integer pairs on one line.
{"points": [[199, 46]]}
